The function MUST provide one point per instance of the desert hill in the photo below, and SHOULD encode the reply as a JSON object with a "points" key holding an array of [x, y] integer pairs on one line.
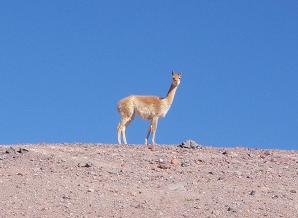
{"points": [[98, 180]]}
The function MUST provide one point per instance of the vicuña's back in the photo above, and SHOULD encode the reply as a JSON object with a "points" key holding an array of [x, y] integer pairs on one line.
{"points": [[147, 107]]}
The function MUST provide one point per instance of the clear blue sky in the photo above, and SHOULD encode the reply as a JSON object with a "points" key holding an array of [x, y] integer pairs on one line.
{"points": [[65, 64]]}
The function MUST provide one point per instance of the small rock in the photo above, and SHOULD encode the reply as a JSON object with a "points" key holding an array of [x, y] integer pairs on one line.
{"points": [[85, 165], [164, 166], [178, 186], [233, 154], [92, 173], [115, 171], [185, 164], [19, 174], [199, 161], [267, 153], [190, 144], [66, 197], [225, 153], [22, 150], [250, 155], [160, 161], [293, 191], [10, 150], [252, 193], [231, 209], [91, 190], [175, 162], [137, 205], [1, 158]]}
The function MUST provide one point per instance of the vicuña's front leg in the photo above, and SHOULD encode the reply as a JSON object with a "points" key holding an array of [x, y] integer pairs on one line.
{"points": [[154, 126], [148, 134], [119, 133], [124, 135]]}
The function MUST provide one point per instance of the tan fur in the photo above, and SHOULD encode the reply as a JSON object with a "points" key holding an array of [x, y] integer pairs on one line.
{"points": [[148, 107]]}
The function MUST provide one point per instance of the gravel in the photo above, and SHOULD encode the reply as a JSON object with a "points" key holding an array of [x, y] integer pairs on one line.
{"points": [[101, 180]]}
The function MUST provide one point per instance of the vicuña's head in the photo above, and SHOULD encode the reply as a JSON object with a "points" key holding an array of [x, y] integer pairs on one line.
{"points": [[176, 78]]}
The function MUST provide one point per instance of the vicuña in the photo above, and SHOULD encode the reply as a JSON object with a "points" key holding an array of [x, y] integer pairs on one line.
{"points": [[148, 107]]}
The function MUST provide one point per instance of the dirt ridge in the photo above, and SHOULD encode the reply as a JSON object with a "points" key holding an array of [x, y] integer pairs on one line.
{"points": [[105, 180]]}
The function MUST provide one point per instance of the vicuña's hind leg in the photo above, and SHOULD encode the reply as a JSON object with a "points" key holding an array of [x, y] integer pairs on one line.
{"points": [[122, 127], [121, 130]]}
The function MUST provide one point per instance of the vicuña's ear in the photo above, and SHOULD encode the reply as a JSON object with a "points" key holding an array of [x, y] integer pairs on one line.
{"points": [[173, 73], [180, 74]]}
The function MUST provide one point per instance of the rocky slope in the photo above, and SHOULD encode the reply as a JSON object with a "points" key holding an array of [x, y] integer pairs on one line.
{"points": [[96, 180]]}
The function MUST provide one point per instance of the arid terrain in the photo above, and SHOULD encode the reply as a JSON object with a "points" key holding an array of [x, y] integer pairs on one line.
{"points": [[97, 180]]}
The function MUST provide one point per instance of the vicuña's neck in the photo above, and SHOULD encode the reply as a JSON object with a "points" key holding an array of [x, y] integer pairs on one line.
{"points": [[171, 94]]}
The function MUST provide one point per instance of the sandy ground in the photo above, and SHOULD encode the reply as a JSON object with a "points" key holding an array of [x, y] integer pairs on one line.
{"points": [[96, 180]]}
